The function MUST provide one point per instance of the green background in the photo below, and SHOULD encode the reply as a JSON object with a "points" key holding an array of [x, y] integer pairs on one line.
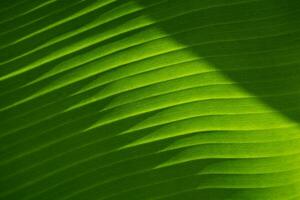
{"points": [[150, 99]]}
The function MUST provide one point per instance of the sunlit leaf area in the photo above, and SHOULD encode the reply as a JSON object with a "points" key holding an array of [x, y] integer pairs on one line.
{"points": [[149, 99]]}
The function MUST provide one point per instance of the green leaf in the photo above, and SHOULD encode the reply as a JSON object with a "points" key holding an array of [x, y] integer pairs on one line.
{"points": [[139, 99]]}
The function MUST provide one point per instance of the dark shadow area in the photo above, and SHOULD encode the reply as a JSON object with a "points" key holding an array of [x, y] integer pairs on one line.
{"points": [[255, 43]]}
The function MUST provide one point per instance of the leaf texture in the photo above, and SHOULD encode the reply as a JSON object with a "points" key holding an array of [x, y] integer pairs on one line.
{"points": [[138, 99]]}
